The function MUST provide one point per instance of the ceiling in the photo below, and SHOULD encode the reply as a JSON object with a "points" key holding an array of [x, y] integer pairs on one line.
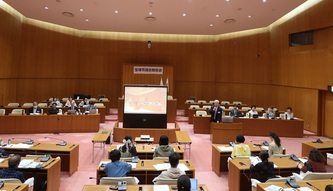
{"points": [[207, 17]]}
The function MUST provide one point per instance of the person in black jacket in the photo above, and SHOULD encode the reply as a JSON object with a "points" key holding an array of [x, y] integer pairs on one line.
{"points": [[264, 169], [35, 109], [216, 112]]}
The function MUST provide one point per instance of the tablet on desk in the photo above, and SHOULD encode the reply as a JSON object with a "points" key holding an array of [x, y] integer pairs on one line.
{"points": [[194, 184]]}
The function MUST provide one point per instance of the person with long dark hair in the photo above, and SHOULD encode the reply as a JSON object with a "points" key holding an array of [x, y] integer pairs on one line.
{"points": [[164, 149], [275, 146], [315, 163], [264, 169]]}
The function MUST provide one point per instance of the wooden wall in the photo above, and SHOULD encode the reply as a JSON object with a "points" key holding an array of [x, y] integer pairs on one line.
{"points": [[256, 67]]}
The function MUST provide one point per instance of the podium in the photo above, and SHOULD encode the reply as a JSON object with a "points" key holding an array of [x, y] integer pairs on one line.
{"points": [[223, 133]]}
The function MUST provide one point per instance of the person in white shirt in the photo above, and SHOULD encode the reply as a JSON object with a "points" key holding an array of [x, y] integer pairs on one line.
{"points": [[56, 101], [70, 101], [270, 113], [173, 172], [253, 111], [289, 115], [84, 102]]}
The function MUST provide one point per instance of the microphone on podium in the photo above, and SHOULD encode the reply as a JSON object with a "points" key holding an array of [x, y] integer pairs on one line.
{"points": [[28, 142], [62, 143]]}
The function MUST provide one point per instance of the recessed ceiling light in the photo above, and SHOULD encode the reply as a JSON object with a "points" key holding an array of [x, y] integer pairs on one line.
{"points": [[46, 8], [116, 12], [81, 10], [227, 0], [211, 25], [249, 16], [217, 16], [184, 14], [150, 13], [87, 20], [264, 1]]}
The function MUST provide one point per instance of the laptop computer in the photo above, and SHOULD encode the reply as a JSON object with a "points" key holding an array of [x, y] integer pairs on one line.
{"points": [[71, 112], [254, 116], [93, 111], [227, 119]]}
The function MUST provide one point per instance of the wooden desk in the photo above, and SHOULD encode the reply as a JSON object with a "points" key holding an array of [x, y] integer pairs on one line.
{"points": [[149, 141], [101, 110], [191, 113], [320, 184], [220, 157], [325, 147], [25, 124], [184, 139], [147, 151], [147, 172], [262, 127], [238, 174], [187, 106], [15, 186], [224, 133], [131, 187], [171, 110], [200, 124], [50, 173], [69, 153], [100, 138]]}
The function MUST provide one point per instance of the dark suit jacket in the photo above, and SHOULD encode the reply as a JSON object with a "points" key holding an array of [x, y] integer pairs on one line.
{"points": [[38, 110], [235, 113], [53, 111], [75, 108], [265, 170], [218, 114]]}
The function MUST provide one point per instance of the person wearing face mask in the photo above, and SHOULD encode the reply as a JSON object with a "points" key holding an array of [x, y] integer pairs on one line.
{"points": [[35, 110]]}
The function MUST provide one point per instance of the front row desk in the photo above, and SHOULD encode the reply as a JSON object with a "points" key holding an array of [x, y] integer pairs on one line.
{"points": [[201, 187]]}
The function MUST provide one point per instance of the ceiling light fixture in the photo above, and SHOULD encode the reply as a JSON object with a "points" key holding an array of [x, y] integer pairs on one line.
{"points": [[249, 16], [116, 12], [150, 13], [229, 21], [150, 19], [217, 16], [67, 14], [211, 25], [184, 14], [81, 10], [46, 8], [87, 20]]}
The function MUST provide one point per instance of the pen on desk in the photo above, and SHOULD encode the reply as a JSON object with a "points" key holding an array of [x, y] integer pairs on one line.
{"points": [[36, 144], [308, 183], [17, 187], [72, 146]]}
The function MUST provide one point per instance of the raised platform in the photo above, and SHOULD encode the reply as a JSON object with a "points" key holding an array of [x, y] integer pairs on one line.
{"points": [[119, 132]]}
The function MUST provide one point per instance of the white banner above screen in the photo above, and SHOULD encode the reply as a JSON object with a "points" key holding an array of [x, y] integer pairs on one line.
{"points": [[147, 70]]}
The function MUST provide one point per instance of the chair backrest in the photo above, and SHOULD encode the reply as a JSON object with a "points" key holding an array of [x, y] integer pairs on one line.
{"points": [[279, 156], [207, 107], [202, 101], [103, 99], [237, 103], [194, 106], [225, 102], [27, 105], [282, 116], [114, 180], [246, 108], [170, 97], [318, 176], [93, 99], [222, 107], [18, 112], [189, 101], [165, 181], [161, 158], [11, 180], [99, 105], [211, 101], [42, 105], [2, 112], [200, 113], [64, 99], [34, 156], [60, 112], [281, 179], [13, 104], [260, 109]]}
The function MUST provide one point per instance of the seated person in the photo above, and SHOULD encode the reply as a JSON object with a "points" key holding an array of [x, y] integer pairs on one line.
{"points": [[235, 112], [73, 107], [289, 113], [173, 172], [164, 149], [184, 183], [275, 146], [253, 111], [264, 169], [53, 110], [11, 172], [56, 101], [128, 149], [70, 101], [270, 113], [315, 163], [329, 187], [116, 168], [84, 102], [216, 112], [91, 106], [240, 149], [34, 109]]}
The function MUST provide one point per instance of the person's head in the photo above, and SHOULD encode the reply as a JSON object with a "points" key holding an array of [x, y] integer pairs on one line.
{"points": [[235, 107], [85, 99], [54, 99], [115, 155], [34, 104], [270, 109], [329, 187], [70, 98], [216, 103], [164, 140], [183, 183], [275, 137], [253, 107], [128, 138], [315, 155], [289, 109], [263, 155], [91, 103], [54, 105], [72, 103], [240, 138], [174, 159], [14, 161]]}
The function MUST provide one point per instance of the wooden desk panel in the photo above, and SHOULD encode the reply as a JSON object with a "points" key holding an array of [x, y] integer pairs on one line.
{"points": [[13, 124], [201, 124], [325, 147], [147, 172], [320, 184], [69, 153], [239, 175], [132, 187], [187, 106], [171, 110], [50, 173], [146, 151], [262, 127], [15, 187], [224, 133]]}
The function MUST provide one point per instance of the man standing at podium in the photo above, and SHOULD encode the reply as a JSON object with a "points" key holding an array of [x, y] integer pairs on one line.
{"points": [[216, 112]]}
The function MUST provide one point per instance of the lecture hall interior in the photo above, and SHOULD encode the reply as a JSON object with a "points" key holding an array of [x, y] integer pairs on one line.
{"points": [[268, 53]]}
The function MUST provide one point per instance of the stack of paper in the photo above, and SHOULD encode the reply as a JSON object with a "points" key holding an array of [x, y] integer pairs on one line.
{"points": [[223, 148], [133, 165], [161, 188], [28, 163], [273, 188], [165, 166], [19, 145]]}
